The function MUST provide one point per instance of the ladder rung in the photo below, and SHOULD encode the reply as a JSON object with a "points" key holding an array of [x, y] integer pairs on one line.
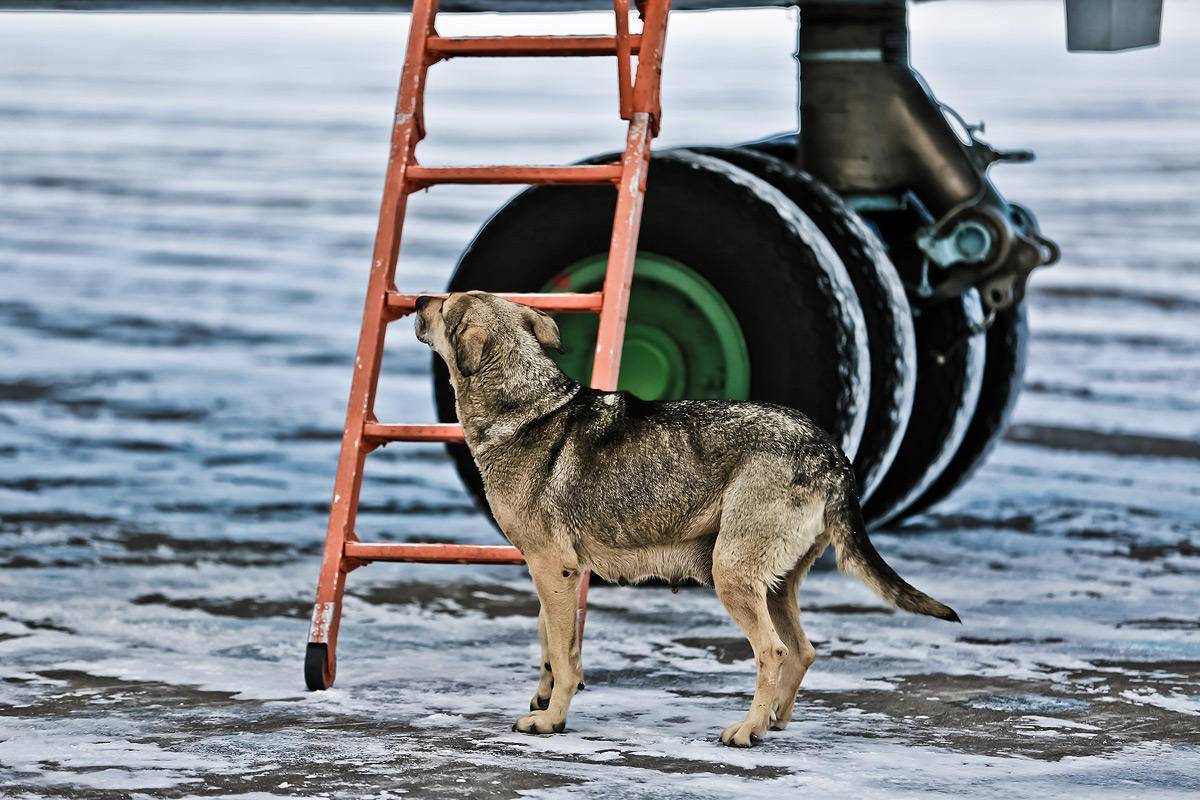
{"points": [[561, 301], [420, 177], [440, 47], [435, 553], [436, 432]]}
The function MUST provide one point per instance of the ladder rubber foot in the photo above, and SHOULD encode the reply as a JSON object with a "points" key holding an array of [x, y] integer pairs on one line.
{"points": [[314, 666]]}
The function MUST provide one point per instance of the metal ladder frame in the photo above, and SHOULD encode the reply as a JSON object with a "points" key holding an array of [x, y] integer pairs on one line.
{"points": [[639, 104]]}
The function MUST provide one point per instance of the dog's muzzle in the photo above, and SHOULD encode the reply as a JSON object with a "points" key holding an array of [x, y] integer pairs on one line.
{"points": [[421, 326]]}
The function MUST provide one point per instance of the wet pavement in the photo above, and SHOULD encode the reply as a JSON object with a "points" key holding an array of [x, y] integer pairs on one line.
{"points": [[187, 205]]}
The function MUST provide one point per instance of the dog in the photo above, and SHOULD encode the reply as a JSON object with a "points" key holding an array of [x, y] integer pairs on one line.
{"points": [[742, 496]]}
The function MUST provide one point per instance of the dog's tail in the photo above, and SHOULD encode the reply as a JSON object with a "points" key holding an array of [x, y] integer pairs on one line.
{"points": [[858, 557]]}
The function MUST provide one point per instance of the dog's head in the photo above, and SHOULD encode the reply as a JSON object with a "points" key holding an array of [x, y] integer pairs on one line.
{"points": [[470, 329]]}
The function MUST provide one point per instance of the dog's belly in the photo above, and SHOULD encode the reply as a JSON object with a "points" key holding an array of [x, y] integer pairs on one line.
{"points": [[634, 541], [678, 561]]}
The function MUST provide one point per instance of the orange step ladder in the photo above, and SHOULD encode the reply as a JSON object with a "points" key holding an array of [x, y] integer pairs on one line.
{"points": [[639, 104]]}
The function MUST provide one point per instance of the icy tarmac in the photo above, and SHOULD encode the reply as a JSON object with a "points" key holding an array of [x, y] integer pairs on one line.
{"points": [[187, 205]]}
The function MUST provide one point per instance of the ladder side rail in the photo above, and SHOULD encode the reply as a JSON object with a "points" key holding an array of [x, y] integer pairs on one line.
{"points": [[621, 254], [647, 87], [627, 219], [617, 281], [648, 83], [643, 127], [624, 58], [407, 130]]}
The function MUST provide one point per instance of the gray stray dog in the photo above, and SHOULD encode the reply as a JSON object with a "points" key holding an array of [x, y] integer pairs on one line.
{"points": [[743, 496]]}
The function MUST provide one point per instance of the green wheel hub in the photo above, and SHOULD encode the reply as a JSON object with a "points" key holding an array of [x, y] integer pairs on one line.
{"points": [[682, 340]]}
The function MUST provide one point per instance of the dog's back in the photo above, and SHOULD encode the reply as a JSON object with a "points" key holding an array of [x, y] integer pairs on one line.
{"points": [[645, 487]]}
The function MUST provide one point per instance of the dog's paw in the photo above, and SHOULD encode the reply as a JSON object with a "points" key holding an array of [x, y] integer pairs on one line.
{"points": [[741, 735], [539, 703], [539, 722], [779, 719]]}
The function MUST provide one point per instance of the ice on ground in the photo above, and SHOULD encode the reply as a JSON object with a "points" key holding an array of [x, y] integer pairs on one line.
{"points": [[187, 217]]}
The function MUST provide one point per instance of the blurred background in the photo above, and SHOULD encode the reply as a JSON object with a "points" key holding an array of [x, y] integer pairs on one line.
{"points": [[187, 208]]}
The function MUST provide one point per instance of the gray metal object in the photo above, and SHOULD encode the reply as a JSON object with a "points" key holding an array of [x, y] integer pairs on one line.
{"points": [[969, 243], [1110, 25], [871, 129]]}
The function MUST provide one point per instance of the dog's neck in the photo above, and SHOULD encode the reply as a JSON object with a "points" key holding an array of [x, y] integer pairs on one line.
{"points": [[507, 394]]}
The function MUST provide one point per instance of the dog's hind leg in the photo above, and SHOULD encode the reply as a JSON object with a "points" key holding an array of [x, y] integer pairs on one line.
{"points": [[767, 537], [556, 577], [785, 613], [541, 698], [746, 601]]}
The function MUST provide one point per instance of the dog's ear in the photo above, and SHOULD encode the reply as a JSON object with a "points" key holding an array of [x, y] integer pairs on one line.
{"points": [[544, 328], [468, 348]]}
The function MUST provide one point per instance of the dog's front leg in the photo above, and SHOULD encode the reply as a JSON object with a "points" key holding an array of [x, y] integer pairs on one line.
{"points": [[556, 578], [541, 698]]}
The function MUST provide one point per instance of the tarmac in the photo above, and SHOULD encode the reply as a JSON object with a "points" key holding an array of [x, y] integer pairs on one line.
{"points": [[185, 230]]}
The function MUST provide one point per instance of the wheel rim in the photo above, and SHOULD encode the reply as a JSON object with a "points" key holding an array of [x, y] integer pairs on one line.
{"points": [[682, 339]]}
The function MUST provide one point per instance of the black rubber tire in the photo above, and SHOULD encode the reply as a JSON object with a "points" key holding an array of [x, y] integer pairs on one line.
{"points": [[950, 361], [1003, 375], [316, 677], [784, 282], [890, 332]]}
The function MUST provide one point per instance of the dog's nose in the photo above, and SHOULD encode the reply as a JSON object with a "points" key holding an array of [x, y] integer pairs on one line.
{"points": [[422, 301]]}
